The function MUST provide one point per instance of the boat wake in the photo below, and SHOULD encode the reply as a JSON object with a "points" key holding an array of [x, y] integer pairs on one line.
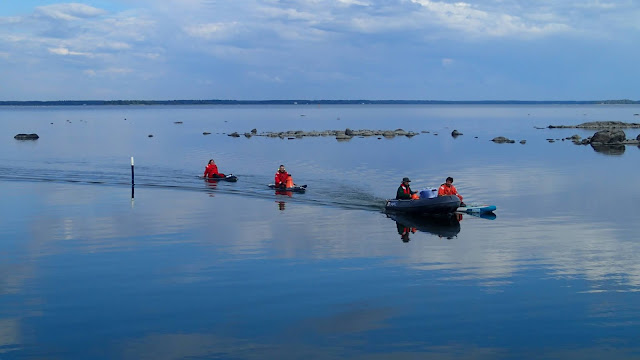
{"points": [[320, 193]]}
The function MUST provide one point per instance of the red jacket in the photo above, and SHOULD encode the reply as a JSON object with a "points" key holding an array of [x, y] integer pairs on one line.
{"points": [[281, 178], [448, 190], [211, 171]]}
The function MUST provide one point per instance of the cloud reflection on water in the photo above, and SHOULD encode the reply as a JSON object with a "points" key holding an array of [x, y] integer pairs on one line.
{"points": [[234, 229], [492, 252]]}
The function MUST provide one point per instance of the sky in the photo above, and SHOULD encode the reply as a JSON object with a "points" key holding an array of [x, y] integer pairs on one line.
{"points": [[320, 49]]}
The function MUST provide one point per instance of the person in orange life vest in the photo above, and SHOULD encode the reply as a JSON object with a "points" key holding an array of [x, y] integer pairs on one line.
{"points": [[448, 189], [404, 190], [283, 179], [211, 171]]}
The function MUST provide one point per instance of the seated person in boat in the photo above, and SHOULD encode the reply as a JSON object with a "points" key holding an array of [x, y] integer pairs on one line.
{"points": [[211, 171], [283, 179], [448, 189], [404, 191]]}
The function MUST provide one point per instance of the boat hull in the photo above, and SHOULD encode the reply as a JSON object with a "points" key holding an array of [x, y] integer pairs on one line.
{"points": [[437, 205]]}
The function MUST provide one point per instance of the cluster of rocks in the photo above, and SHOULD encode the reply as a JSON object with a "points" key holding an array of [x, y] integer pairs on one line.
{"points": [[598, 125], [505, 140], [610, 137], [338, 134]]}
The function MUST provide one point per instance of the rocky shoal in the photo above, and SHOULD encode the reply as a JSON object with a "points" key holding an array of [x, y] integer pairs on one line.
{"points": [[599, 125], [338, 134]]}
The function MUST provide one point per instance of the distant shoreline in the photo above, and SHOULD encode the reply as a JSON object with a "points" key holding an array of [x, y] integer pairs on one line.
{"points": [[311, 102]]}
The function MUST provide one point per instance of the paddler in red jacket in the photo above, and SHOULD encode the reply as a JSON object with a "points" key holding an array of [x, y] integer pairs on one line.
{"points": [[211, 171], [448, 189], [283, 178], [404, 190]]}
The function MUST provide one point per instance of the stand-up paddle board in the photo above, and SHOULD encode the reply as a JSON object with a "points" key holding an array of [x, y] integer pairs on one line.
{"points": [[229, 178], [480, 209], [297, 188]]}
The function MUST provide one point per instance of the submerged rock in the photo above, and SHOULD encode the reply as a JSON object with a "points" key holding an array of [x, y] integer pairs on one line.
{"points": [[455, 133]]}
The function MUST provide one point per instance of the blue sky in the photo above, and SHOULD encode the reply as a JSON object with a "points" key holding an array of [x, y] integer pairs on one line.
{"points": [[320, 49]]}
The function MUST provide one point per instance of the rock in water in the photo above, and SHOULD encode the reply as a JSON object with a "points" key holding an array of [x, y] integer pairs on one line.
{"points": [[609, 137], [26, 137], [502, 140]]}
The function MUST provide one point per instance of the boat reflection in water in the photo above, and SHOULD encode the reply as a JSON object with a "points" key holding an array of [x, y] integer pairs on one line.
{"points": [[443, 225]]}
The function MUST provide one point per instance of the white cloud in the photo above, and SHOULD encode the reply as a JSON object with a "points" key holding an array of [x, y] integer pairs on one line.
{"points": [[354, 2], [288, 13], [9, 20], [69, 12], [67, 52], [467, 18], [107, 72], [599, 5], [211, 30], [265, 77]]}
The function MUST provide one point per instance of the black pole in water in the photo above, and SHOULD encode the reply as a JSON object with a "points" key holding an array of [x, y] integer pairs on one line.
{"points": [[132, 182]]}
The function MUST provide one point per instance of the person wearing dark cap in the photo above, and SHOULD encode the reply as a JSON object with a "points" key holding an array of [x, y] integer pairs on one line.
{"points": [[404, 190]]}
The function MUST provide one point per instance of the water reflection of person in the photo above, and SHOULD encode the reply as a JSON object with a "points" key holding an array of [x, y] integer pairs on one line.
{"points": [[212, 185], [284, 192], [404, 232], [281, 205]]}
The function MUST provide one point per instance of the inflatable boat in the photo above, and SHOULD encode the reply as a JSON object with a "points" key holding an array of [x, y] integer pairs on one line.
{"points": [[424, 206]]}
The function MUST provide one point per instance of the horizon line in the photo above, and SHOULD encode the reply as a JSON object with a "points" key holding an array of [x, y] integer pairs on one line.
{"points": [[305, 101]]}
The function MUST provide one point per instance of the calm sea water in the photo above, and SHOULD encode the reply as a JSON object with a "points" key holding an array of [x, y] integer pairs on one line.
{"points": [[192, 270]]}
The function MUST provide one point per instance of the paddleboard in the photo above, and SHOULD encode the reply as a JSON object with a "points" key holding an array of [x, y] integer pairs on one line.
{"points": [[230, 178], [477, 209], [297, 188]]}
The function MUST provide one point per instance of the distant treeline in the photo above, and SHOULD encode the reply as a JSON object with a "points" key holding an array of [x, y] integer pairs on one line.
{"points": [[301, 102]]}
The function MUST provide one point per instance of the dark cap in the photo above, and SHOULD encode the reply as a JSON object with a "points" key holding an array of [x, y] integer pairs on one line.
{"points": [[406, 179]]}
